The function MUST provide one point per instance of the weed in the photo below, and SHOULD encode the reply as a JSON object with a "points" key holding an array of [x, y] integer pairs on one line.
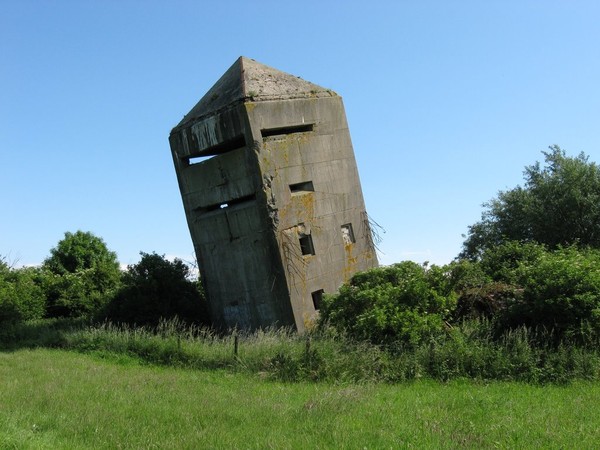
{"points": [[468, 350]]}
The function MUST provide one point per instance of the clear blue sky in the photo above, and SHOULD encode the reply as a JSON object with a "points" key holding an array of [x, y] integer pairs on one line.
{"points": [[447, 102]]}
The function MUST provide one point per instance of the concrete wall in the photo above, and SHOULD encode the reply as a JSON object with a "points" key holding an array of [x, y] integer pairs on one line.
{"points": [[276, 214], [227, 216], [307, 140]]}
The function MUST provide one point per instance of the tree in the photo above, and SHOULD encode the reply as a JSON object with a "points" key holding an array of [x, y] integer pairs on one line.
{"points": [[156, 289], [82, 275], [559, 205]]}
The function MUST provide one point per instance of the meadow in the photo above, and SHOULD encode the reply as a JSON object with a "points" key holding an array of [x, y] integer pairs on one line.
{"points": [[53, 398]]}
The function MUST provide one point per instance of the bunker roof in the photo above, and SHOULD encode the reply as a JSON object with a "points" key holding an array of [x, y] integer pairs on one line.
{"points": [[249, 80]]}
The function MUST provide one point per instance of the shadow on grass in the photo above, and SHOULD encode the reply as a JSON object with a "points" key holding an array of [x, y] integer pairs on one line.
{"points": [[49, 333], [171, 343]]}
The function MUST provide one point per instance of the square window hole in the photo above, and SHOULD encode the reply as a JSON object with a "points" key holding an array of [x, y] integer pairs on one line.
{"points": [[348, 234], [306, 244], [317, 298]]}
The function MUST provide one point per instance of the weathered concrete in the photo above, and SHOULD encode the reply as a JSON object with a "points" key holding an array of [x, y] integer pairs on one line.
{"points": [[276, 214]]}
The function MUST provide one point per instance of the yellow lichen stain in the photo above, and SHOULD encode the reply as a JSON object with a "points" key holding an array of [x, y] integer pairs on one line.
{"points": [[307, 206], [350, 262], [250, 107], [295, 263]]}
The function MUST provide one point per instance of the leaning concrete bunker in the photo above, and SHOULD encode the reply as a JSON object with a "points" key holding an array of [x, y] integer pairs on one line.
{"points": [[272, 196]]}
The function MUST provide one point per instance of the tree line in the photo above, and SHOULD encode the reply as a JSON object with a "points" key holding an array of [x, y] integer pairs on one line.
{"points": [[533, 260], [81, 278]]}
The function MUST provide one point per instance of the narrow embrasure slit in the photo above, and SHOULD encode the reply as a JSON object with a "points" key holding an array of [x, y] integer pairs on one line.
{"points": [[224, 147], [226, 204], [305, 186], [281, 131]]}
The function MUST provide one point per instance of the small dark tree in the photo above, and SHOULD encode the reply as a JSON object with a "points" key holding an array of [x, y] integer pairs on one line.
{"points": [[82, 275], [155, 289], [559, 205]]}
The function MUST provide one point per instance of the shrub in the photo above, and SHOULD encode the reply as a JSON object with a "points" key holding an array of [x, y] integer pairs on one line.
{"points": [[465, 274], [531, 286], [403, 302], [479, 296], [21, 296], [561, 292], [503, 262], [156, 289], [82, 275], [489, 300]]}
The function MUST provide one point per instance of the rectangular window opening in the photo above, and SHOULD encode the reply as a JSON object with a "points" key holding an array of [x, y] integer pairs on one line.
{"points": [[282, 131], [227, 204], [306, 244], [299, 188], [348, 234], [224, 147], [317, 298]]}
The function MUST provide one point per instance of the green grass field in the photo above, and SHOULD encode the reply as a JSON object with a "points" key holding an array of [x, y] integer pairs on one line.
{"points": [[57, 399]]}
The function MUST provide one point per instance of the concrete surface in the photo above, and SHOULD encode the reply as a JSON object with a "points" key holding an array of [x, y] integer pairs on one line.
{"points": [[272, 196]]}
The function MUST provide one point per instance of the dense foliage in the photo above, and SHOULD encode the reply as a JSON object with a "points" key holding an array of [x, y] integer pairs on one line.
{"points": [[528, 285], [559, 204], [81, 279], [561, 292], [512, 285], [21, 296], [403, 302], [82, 275], [156, 289]]}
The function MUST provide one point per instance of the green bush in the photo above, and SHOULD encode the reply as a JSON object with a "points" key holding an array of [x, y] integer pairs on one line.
{"points": [[556, 290], [465, 274], [75, 294], [156, 289], [403, 302], [82, 275], [489, 300], [21, 295], [488, 286], [561, 292], [504, 262]]}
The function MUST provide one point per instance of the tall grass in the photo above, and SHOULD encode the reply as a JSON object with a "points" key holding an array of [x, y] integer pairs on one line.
{"points": [[469, 350]]}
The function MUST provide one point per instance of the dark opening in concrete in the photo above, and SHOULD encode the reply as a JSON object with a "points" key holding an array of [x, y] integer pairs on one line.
{"points": [[224, 147], [227, 204], [348, 234], [299, 188], [317, 298], [306, 244], [304, 128]]}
